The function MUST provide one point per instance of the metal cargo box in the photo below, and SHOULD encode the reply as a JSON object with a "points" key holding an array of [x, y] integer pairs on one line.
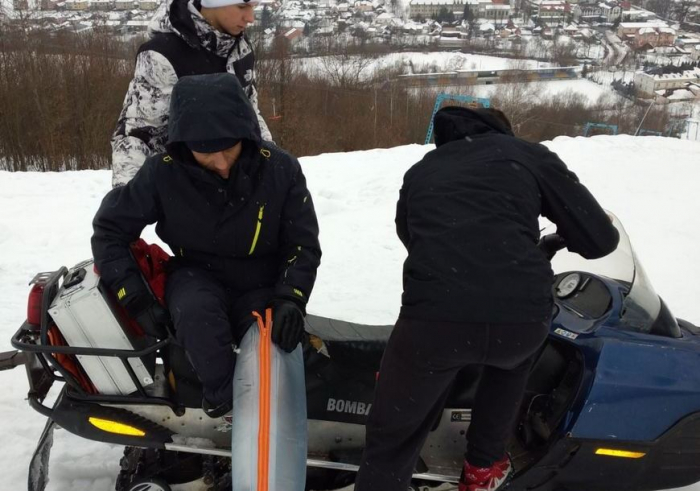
{"points": [[86, 316]]}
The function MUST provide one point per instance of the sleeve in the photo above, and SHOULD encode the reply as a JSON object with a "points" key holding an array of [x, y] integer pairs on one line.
{"points": [[264, 130], [300, 251], [580, 220], [246, 53], [402, 217], [142, 129], [124, 213]]}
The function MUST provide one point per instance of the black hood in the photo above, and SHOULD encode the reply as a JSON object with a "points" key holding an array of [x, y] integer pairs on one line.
{"points": [[211, 107], [455, 123]]}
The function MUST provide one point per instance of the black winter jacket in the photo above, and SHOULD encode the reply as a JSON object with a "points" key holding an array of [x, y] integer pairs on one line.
{"points": [[468, 215], [256, 231]]}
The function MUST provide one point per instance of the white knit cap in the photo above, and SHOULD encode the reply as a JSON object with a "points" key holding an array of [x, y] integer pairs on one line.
{"points": [[212, 4]]}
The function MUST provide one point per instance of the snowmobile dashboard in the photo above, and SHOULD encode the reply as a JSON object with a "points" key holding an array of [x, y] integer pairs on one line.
{"points": [[582, 294]]}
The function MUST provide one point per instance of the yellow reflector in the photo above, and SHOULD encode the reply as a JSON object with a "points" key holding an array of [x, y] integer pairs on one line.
{"points": [[114, 427], [620, 453]]}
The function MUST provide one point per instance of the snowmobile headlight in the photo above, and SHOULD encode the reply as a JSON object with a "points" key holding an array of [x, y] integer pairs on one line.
{"points": [[115, 427], [611, 452]]}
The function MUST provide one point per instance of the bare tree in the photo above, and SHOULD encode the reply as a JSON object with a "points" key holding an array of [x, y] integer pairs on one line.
{"points": [[519, 99], [346, 67], [662, 8], [682, 8]]}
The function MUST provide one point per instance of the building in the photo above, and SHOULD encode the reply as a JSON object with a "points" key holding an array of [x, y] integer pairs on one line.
{"points": [[691, 45], [636, 14], [293, 35], [626, 28], [77, 4], [549, 11], [364, 6], [48, 4], [650, 85], [608, 12], [552, 12], [148, 4], [498, 13], [611, 12], [646, 37], [136, 25], [124, 4], [430, 8], [385, 19], [101, 5]]}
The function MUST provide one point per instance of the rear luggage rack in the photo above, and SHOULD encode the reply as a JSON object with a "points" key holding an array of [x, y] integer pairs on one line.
{"points": [[43, 368]]}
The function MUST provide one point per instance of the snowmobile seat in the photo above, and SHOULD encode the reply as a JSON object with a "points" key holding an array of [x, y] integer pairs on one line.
{"points": [[360, 347], [337, 330], [351, 345]]}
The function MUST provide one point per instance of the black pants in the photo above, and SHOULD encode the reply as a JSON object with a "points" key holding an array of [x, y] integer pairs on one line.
{"points": [[419, 366], [201, 309]]}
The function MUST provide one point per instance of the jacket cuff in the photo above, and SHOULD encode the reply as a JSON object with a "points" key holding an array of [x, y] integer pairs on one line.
{"points": [[133, 295], [289, 292]]}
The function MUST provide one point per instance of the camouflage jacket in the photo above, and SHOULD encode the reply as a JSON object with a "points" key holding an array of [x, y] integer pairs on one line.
{"points": [[182, 43]]}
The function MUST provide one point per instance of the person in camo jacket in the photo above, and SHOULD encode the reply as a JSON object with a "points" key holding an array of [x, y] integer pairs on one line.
{"points": [[187, 37]]}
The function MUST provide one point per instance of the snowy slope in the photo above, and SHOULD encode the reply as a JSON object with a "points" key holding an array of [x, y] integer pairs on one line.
{"points": [[649, 182]]}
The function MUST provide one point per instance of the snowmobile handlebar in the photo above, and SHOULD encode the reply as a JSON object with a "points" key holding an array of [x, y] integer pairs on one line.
{"points": [[550, 244]]}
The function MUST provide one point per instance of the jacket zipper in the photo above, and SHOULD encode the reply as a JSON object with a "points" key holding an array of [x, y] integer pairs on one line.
{"points": [[257, 230]]}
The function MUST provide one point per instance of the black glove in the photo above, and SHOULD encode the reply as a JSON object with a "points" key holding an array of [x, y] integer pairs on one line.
{"points": [[154, 321], [550, 244], [287, 324], [149, 314]]}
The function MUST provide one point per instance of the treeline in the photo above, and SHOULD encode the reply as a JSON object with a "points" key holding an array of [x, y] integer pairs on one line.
{"points": [[59, 97], [61, 94]]}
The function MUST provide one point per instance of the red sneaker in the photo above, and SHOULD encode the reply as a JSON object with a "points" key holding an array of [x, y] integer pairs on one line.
{"points": [[485, 478]]}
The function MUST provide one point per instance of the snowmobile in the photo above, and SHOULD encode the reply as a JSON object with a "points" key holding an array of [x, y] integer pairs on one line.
{"points": [[612, 402]]}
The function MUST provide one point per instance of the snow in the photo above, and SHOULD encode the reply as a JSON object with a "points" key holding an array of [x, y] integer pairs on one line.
{"points": [[606, 77], [589, 92], [441, 61], [682, 95], [650, 183]]}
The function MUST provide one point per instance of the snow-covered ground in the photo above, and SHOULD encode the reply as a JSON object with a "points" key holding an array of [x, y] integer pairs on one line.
{"points": [[414, 62], [649, 182], [445, 61], [582, 89], [607, 77]]}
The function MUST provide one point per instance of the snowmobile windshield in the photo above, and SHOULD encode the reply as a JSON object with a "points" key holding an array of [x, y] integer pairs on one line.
{"points": [[642, 305]]}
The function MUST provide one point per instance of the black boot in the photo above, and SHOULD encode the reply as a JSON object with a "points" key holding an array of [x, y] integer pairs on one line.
{"points": [[216, 411]]}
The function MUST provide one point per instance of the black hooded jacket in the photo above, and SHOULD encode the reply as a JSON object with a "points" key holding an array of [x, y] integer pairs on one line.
{"points": [[468, 215], [255, 231]]}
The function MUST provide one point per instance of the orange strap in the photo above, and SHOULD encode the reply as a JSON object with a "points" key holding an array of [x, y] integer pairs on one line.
{"points": [[265, 362], [69, 362]]}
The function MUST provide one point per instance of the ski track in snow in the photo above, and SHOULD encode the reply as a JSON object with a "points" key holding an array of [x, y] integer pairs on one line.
{"points": [[650, 183]]}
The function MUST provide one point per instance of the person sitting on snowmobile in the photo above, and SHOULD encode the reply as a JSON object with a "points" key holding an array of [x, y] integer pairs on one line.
{"points": [[477, 290], [236, 213]]}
